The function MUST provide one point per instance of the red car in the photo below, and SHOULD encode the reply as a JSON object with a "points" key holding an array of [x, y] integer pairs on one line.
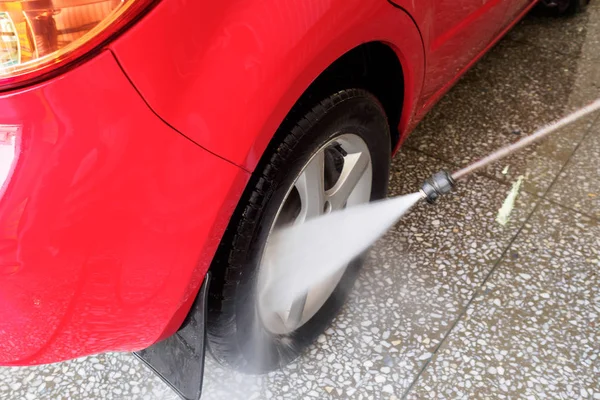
{"points": [[146, 143]]}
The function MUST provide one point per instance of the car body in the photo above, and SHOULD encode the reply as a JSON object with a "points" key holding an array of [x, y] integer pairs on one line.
{"points": [[130, 160]]}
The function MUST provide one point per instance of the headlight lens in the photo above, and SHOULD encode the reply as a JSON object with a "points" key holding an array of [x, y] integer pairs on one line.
{"points": [[38, 36]]}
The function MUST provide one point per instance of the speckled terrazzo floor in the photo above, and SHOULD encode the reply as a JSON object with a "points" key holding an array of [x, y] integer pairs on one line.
{"points": [[451, 305]]}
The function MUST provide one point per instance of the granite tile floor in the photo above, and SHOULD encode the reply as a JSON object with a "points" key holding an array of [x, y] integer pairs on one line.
{"points": [[451, 304]]}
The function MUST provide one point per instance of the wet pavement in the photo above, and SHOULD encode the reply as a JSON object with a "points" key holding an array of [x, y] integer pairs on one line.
{"points": [[451, 304]]}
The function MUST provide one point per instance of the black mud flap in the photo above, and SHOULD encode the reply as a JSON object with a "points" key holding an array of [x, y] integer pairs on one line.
{"points": [[179, 359]]}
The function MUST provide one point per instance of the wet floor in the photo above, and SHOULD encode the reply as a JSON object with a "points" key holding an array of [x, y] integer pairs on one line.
{"points": [[451, 304]]}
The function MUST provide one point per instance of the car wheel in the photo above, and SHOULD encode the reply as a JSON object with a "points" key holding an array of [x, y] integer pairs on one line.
{"points": [[336, 155], [565, 7]]}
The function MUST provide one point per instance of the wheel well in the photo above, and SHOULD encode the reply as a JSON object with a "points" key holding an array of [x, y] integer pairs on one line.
{"points": [[372, 66]]}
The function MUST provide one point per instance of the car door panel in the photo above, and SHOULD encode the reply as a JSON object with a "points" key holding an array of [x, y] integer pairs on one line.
{"points": [[454, 32], [461, 29]]}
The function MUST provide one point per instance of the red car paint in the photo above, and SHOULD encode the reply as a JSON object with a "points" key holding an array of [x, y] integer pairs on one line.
{"points": [[130, 164], [109, 222], [269, 50]]}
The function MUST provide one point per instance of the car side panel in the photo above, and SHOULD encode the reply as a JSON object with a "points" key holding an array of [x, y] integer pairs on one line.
{"points": [[226, 73], [425, 19], [454, 33]]}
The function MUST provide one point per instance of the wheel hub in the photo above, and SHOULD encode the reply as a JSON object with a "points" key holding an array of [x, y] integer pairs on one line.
{"points": [[337, 175]]}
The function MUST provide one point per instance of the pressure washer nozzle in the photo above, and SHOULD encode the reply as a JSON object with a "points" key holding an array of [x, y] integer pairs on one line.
{"points": [[440, 183]]}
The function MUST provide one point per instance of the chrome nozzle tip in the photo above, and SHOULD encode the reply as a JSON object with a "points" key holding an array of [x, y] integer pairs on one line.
{"points": [[440, 183]]}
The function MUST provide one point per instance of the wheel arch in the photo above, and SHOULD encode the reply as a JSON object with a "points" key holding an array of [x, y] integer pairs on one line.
{"points": [[372, 66], [259, 58]]}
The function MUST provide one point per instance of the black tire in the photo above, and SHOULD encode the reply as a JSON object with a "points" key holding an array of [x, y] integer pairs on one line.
{"points": [[576, 6], [236, 334], [565, 8]]}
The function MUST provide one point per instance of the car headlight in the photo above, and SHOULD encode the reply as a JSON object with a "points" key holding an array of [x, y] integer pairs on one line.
{"points": [[39, 36]]}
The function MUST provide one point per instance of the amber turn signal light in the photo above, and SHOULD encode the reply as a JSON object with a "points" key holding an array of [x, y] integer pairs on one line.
{"points": [[39, 36]]}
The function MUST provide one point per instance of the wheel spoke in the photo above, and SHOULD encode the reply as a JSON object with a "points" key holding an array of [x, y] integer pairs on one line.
{"points": [[295, 316], [309, 199], [355, 165], [310, 186]]}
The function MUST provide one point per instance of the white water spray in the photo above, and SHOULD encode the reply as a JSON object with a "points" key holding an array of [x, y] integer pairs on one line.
{"points": [[307, 254]]}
